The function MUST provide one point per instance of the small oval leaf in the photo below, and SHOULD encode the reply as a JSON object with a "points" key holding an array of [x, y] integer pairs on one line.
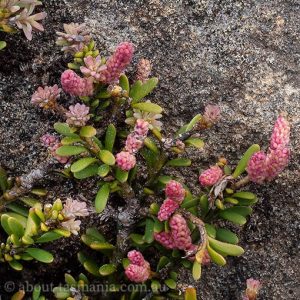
{"points": [[102, 197]]}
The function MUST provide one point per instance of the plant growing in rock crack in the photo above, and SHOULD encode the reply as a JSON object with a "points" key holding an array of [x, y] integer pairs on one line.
{"points": [[18, 14], [114, 137], [28, 224]]}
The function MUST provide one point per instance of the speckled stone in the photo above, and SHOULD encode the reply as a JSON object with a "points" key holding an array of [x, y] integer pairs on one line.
{"points": [[242, 55]]}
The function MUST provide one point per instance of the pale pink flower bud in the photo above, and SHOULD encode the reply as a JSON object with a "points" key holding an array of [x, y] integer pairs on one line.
{"points": [[281, 134], [78, 115], [206, 259], [143, 70], [125, 160], [46, 97], [133, 143], [141, 127], [165, 239], [75, 85], [212, 114], [211, 176], [167, 209], [253, 287], [73, 208], [175, 191], [61, 159], [117, 63], [93, 67], [257, 167], [72, 225], [137, 273], [276, 161], [136, 258], [49, 140], [181, 233]]}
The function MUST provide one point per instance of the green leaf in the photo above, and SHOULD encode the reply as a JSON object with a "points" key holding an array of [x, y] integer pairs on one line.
{"points": [[170, 283], [158, 225], [124, 82], [164, 179], [241, 167], [88, 131], [163, 261], [110, 137], [49, 237], [17, 208], [121, 175], [64, 129], [2, 45], [179, 162], [198, 143], [94, 232], [16, 266], [61, 292], [92, 267], [189, 203], [216, 257], [103, 170], [99, 246], [36, 292], [70, 280], [16, 227], [107, 157], [82, 164], [148, 107], [4, 224], [40, 255], [245, 198], [90, 171], [229, 249], [149, 230], [241, 210], [155, 286], [140, 90], [196, 270], [225, 235], [232, 217], [70, 150], [204, 205], [193, 122], [150, 144], [211, 230], [68, 140], [137, 238], [102, 197], [107, 269], [190, 294]]}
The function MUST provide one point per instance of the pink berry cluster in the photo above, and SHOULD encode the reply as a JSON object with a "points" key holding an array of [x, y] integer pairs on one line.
{"points": [[53, 143], [74, 85], [126, 159], [175, 194], [110, 72], [179, 236], [139, 269], [265, 167], [211, 176], [143, 70]]}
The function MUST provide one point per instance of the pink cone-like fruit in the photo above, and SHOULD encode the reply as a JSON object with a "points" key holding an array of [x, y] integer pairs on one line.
{"points": [[125, 160], [167, 209], [211, 176], [175, 191]]}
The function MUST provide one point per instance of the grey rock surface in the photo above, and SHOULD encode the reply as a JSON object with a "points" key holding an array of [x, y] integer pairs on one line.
{"points": [[242, 55]]}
